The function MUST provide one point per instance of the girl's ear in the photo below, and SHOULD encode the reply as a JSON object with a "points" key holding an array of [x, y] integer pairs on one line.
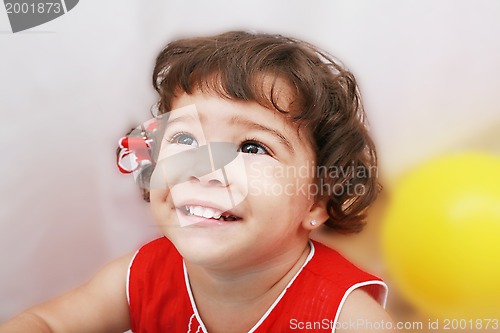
{"points": [[317, 215]]}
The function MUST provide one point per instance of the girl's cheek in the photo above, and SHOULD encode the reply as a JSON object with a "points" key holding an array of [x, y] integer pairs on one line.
{"points": [[265, 176], [268, 177], [158, 197], [174, 166], [260, 168]]}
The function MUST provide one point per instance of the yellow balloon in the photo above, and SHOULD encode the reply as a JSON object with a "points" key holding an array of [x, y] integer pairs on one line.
{"points": [[441, 236]]}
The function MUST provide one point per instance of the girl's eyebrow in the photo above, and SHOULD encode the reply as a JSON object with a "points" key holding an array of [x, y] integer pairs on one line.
{"points": [[181, 118], [250, 124]]}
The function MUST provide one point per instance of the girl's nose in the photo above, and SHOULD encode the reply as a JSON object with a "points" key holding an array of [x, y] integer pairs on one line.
{"points": [[204, 164], [218, 155], [215, 178]]}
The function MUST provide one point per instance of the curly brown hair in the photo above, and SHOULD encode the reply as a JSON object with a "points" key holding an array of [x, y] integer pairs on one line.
{"points": [[325, 100]]}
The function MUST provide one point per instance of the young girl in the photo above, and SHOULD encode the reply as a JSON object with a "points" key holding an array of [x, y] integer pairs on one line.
{"points": [[258, 140]]}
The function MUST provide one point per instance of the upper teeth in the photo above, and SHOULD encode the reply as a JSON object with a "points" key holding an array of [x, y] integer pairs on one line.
{"points": [[205, 212]]}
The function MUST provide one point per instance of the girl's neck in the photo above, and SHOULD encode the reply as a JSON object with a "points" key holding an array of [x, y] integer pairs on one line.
{"points": [[249, 283], [246, 287], [219, 295]]}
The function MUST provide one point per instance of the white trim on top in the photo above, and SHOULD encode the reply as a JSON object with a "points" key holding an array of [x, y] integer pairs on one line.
{"points": [[382, 300], [191, 299], [309, 257], [128, 277], [265, 315]]}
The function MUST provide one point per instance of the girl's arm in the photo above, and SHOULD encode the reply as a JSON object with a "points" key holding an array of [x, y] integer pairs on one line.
{"points": [[362, 314], [98, 306]]}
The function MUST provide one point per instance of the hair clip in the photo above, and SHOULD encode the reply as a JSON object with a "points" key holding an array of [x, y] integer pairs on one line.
{"points": [[133, 152], [134, 149]]}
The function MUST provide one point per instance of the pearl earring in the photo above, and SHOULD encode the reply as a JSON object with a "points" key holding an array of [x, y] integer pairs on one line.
{"points": [[313, 222]]}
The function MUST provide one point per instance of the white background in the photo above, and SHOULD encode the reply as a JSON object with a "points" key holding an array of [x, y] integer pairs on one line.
{"points": [[429, 72]]}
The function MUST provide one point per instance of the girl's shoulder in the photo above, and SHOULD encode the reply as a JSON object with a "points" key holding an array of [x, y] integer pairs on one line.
{"points": [[330, 268]]}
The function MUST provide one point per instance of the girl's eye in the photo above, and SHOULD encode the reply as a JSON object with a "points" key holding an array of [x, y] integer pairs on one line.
{"points": [[251, 147], [184, 139]]}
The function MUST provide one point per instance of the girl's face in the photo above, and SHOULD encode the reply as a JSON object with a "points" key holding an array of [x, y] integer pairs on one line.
{"points": [[233, 186]]}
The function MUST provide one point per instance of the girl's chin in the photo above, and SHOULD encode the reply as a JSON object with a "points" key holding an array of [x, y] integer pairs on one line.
{"points": [[205, 251], [205, 258]]}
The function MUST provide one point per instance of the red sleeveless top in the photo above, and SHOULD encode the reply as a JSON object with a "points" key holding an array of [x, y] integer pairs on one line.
{"points": [[160, 297]]}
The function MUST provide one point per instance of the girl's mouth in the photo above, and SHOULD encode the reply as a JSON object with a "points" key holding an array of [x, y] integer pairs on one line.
{"points": [[208, 213]]}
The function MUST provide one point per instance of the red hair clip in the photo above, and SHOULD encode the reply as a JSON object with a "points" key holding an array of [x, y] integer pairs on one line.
{"points": [[134, 150]]}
